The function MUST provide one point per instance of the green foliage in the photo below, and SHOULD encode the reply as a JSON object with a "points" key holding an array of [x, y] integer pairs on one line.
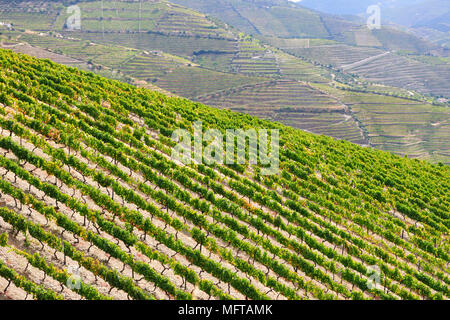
{"points": [[331, 212], [3, 239]]}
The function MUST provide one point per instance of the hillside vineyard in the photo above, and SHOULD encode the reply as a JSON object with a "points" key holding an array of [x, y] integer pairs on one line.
{"points": [[273, 59], [92, 205]]}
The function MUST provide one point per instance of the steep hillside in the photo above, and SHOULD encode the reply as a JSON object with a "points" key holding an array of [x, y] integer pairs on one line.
{"points": [[292, 103], [209, 61], [384, 67], [90, 193], [428, 19], [286, 19], [296, 29]]}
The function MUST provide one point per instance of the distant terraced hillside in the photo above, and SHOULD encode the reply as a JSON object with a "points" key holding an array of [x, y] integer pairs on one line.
{"points": [[296, 30], [288, 20], [404, 127], [427, 18], [292, 103], [89, 190], [141, 25], [382, 67], [207, 60], [406, 73], [126, 22], [269, 18]]}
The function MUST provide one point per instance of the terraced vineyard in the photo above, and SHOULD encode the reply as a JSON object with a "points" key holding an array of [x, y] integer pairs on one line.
{"points": [[287, 101], [293, 68], [384, 67], [288, 20], [146, 25], [295, 30], [177, 45], [404, 127], [179, 51], [88, 183], [191, 82], [38, 15], [105, 55], [402, 72], [254, 59], [143, 16], [151, 65], [292, 103], [176, 74]]}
